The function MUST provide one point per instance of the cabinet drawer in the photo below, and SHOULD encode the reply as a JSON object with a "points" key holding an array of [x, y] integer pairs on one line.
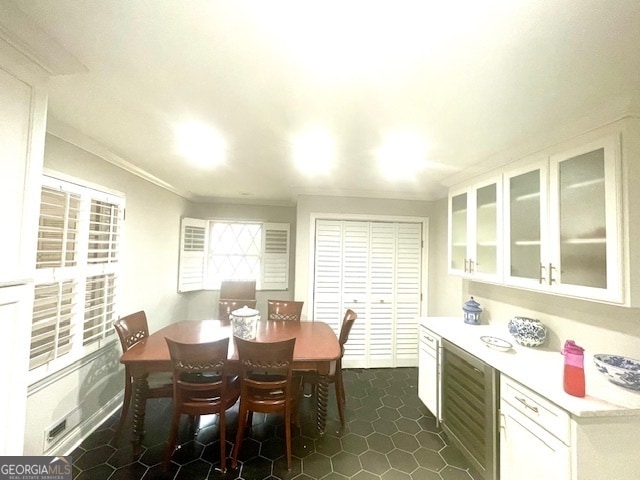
{"points": [[546, 414], [428, 340]]}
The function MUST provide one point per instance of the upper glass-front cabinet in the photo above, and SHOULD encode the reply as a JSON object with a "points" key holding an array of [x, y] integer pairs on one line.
{"points": [[475, 227], [525, 191], [562, 223], [458, 242], [585, 258]]}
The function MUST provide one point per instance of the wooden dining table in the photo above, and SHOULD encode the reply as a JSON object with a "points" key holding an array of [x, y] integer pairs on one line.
{"points": [[315, 348]]}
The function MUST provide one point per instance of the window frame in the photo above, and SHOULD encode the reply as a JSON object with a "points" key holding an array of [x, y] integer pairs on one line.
{"points": [[97, 255], [195, 256]]}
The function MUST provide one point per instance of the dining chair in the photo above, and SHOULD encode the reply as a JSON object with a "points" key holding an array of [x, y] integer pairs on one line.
{"points": [[237, 289], [335, 369], [266, 386], [202, 385], [225, 307], [288, 310], [132, 329]]}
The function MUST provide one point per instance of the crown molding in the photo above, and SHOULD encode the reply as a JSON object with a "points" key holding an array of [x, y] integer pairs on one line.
{"points": [[614, 112], [73, 136], [20, 31]]}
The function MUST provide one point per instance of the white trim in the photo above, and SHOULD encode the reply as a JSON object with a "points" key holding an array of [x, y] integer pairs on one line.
{"points": [[20, 31], [70, 135]]}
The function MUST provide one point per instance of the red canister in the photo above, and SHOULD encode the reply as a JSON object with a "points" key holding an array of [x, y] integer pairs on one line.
{"points": [[573, 369]]}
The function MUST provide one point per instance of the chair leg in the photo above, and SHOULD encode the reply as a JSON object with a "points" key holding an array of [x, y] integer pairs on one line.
{"points": [[340, 397], [126, 402], [242, 422], [287, 434], [173, 437], [223, 440]]}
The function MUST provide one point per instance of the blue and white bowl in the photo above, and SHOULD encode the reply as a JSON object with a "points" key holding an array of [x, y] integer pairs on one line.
{"points": [[622, 371], [528, 332]]}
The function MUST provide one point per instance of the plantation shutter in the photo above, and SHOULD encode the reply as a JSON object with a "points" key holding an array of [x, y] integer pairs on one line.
{"points": [[275, 256], [53, 310], [57, 228], [192, 262]]}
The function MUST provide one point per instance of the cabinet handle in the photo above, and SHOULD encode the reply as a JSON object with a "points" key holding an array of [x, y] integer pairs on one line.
{"points": [[551, 269], [542, 278], [524, 402], [465, 265], [471, 269]]}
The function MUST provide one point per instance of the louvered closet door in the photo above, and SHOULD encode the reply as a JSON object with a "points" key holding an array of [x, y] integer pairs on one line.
{"points": [[408, 275], [327, 305], [381, 287], [355, 286], [374, 268]]}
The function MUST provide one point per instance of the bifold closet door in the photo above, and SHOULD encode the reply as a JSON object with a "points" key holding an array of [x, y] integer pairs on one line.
{"points": [[373, 268]]}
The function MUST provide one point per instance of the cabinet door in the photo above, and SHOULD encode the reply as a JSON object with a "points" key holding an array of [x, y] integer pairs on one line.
{"points": [[584, 205], [525, 202], [475, 226], [428, 371], [528, 452], [486, 257], [458, 234], [15, 309], [17, 251]]}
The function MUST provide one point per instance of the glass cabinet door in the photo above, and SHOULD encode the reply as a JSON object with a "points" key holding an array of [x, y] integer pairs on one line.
{"points": [[458, 237], [582, 221], [585, 258], [486, 229], [525, 253]]}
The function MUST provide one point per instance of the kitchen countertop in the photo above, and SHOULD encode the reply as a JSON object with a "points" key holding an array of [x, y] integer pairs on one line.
{"points": [[540, 369]]}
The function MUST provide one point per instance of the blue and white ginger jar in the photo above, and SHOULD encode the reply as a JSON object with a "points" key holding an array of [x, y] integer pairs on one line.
{"points": [[528, 332]]}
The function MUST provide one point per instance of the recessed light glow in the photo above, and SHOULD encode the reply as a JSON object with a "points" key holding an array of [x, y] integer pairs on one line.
{"points": [[201, 144], [402, 156], [314, 152]]}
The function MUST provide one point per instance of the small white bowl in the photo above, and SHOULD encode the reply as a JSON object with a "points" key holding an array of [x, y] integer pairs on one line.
{"points": [[496, 343]]}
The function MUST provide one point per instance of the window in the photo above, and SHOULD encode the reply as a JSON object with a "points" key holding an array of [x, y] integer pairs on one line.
{"points": [[212, 251], [79, 237]]}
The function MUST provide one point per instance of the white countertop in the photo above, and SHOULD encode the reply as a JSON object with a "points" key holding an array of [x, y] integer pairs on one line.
{"points": [[540, 369]]}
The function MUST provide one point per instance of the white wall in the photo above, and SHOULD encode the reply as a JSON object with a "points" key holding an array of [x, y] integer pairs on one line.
{"points": [[148, 282], [599, 328]]}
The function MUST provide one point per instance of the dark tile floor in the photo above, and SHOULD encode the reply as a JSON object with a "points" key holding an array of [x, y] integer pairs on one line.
{"points": [[389, 435]]}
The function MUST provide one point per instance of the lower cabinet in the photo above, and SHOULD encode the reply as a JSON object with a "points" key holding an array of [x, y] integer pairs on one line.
{"points": [[539, 440], [429, 371], [529, 449]]}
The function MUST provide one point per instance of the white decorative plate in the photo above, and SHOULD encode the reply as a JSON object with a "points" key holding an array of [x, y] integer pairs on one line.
{"points": [[496, 343]]}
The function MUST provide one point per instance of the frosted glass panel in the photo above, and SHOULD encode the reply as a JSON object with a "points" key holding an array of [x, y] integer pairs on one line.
{"points": [[524, 221], [583, 233], [486, 229], [459, 231]]}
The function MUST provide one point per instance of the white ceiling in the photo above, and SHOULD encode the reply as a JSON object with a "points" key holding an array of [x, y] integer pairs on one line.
{"points": [[473, 81]]}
